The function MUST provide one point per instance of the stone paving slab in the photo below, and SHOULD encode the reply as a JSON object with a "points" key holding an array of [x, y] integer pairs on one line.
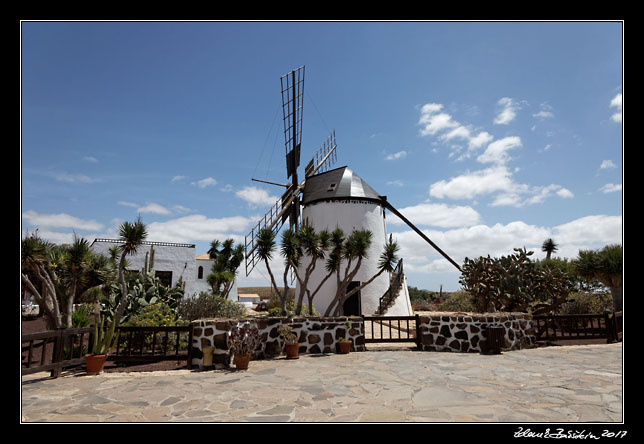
{"points": [[553, 384]]}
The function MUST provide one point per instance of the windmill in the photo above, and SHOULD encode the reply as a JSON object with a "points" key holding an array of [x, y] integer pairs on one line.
{"points": [[331, 198], [288, 206]]}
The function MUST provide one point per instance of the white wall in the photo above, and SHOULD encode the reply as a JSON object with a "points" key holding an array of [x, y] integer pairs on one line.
{"points": [[349, 216], [179, 259]]}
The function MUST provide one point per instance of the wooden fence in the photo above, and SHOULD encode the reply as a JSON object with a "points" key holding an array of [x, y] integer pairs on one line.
{"points": [[55, 350], [63, 348], [606, 326]]}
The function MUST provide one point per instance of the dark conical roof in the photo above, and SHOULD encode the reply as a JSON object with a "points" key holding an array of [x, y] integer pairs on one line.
{"points": [[340, 183]]}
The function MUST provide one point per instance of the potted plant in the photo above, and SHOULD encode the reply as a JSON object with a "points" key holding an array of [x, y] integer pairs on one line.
{"points": [[291, 346], [344, 343], [104, 342], [243, 340]]}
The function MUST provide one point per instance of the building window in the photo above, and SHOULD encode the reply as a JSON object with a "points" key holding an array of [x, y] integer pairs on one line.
{"points": [[200, 273], [165, 277]]}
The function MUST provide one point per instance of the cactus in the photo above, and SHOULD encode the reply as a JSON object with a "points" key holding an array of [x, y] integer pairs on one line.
{"points": [[104, 341]]}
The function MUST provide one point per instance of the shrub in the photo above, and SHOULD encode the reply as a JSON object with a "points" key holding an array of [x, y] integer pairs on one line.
{"points": [[209, 306], [458, 301], [587, 303], [156, 315], [81, 316]]}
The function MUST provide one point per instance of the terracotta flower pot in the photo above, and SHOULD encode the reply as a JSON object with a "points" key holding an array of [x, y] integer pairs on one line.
{"points": [[292, 351], [345, 347], [241, 361], [95, 363]]}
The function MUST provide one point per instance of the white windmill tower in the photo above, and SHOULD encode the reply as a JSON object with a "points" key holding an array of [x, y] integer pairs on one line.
{"points": [[334, 198]]}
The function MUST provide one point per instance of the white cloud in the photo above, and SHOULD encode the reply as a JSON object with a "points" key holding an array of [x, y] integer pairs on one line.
{"points": [[396, 183], [496, 180], [508, 111], [545, 112], [471, 184], [617, 104], [438, 215], [607, 164], [611, 188], [90, 159], [433, 121], [154, 208], [127, 204], [256, 196], [396, 156], [198, 227], [74, 178], [544, 115], [203, 183], [500, 240], [60, 220], [481, 139], [497, 151], [177, 178]]}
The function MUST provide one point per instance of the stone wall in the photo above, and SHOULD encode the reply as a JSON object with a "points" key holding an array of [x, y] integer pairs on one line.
{"points": [[316, 335], [468, 333]]}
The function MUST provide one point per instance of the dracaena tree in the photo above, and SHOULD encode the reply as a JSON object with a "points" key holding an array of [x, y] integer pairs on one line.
{"points": [[266, 245], [131, 236], [57, 275], [604, 265], [305, 246], [353, 251], [226, 258]]}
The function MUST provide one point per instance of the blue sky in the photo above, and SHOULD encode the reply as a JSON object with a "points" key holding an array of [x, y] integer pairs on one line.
{"points": [[487, 135]]}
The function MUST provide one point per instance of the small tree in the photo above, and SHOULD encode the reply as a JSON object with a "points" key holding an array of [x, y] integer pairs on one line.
{"points": [[227, 259], [355, 248], [606, 266], [549, 247], [265, 249], [305, 243], [57, 275], [132, 236]]}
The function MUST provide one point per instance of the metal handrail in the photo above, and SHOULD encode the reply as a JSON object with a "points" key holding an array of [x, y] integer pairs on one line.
{"points": [[395, 284]]}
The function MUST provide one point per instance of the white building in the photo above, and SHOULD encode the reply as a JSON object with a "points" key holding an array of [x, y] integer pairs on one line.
{"points": [[171, 262], [341, 199]]}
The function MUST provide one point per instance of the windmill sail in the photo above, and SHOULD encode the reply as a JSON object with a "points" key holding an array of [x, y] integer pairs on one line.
{"points": [[288, 207], [292, 94]]}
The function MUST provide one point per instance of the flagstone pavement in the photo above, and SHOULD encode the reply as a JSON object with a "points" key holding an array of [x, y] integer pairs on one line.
{"points": [[552, 384]]}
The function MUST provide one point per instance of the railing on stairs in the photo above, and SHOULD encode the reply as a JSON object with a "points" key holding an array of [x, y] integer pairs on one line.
{"points": [[395, 284]]}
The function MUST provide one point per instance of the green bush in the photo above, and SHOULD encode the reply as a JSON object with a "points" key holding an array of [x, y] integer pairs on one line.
{"points": [[587, 303], [458, 301], [156, 315], [81, 316], [209, 306]]}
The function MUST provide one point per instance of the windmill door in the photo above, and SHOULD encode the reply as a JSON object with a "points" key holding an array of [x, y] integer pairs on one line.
{"points": [[353, 306]]}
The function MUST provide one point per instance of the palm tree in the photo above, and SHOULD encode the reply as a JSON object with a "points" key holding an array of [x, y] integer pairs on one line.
{"points": [[604, 265], [549, 247], [132, 236]]}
